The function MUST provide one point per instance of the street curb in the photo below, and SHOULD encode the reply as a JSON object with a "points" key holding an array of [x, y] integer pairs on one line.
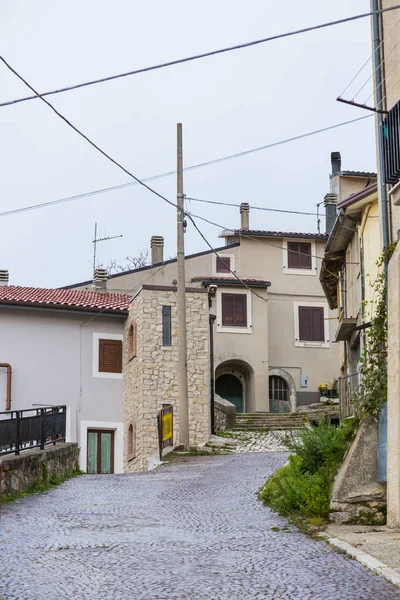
{"points": [[372, 563]]}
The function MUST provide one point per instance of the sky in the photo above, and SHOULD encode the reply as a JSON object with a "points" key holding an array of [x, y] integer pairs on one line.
{"points": [[227, 104]]}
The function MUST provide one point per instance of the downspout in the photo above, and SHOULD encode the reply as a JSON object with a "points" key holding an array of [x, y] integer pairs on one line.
{"points": [[212, 379], [8, 394], [377, 62]]}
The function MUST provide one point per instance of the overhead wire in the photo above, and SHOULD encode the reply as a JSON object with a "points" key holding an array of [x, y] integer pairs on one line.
{"points": [[278, 210], [203, 55], [104, 153], [189, 168]]}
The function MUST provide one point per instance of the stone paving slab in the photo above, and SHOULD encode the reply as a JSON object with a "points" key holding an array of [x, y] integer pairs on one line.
{"points": [[254, 441], [191, 530]]}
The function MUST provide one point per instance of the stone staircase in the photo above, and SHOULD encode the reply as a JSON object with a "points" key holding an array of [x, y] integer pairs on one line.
{"points": [[269, 421]]}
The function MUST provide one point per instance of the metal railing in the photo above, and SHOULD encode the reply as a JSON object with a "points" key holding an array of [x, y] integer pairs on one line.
{"points": [[31, 428], [348, 386]]}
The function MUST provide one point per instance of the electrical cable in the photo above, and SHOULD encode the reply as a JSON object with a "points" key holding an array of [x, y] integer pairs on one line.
{"points": [[85, 137], [201, 56], [278, 210], [169, 173]]}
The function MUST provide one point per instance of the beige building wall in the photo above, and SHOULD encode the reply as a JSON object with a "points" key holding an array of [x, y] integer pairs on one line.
{"points": [[150, 377]]}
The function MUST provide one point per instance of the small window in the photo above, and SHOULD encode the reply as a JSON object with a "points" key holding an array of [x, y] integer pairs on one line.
{"points": [[131, 441], [299, 255], [234, 310], [166, 326], [311, 324], [132, 341], [223, 264], [110, 356]]}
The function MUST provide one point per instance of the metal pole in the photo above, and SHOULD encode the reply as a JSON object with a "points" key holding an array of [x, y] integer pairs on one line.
{"points": [[212, 377], [181, 293], [94, 247], [377, 59]]}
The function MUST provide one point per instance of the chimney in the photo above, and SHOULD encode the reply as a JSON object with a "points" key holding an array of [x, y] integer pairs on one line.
{"points": [[157, 249], [336, 162], [244, 216], [4, 277], [100, 280], [330, 202]]}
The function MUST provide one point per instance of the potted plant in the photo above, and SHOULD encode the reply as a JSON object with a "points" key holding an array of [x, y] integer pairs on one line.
{"points": [[333, 393], [323, 389]]}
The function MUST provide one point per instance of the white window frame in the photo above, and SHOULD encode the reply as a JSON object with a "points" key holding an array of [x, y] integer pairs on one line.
{"points": [[232, 265], [223, 328], [308, 344], [117, 428], [96, 338], [307, 272]]}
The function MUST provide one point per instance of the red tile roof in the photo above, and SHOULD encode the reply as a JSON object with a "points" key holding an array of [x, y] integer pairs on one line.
{"points": [[70, 299]]}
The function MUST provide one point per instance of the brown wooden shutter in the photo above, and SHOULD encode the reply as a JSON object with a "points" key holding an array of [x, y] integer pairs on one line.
{"points": [[223, 264], [317, 318], [311, 324], [110, 356], [234, 310], [299, 255], [227, 309], [240, 310]]}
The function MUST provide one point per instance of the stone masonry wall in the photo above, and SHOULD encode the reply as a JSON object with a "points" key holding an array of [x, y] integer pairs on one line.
{"points": [[150, 378], [20, 472]]}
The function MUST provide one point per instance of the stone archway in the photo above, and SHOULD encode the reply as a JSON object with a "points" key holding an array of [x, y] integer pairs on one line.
{"points": [[290, 383], [243, 372]]}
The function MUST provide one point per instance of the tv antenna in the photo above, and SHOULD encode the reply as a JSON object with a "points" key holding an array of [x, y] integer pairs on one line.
{"points": [[97, 240]]}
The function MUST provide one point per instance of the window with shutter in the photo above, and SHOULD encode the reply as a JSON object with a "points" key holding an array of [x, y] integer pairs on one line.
{"points": [[223, 264], [311, 324], [234, 310], [299, 255], [110, 356]]}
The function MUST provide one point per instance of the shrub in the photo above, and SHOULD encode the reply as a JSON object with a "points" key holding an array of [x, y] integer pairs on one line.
{"points": [[303, 486]]}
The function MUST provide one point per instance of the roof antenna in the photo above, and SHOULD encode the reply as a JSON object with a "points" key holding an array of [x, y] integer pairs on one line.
{"points": [[96, 240]]}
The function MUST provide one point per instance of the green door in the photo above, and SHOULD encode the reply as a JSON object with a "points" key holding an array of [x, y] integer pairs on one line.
{"points": [[230, 388], [100, 451]]}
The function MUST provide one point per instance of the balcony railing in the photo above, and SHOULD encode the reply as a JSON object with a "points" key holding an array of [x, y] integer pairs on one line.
{"points": [[348, 386], [31, 428]]}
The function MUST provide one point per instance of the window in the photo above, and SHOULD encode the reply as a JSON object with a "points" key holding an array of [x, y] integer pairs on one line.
{"points": [[166, 326], [299, 255], [132, 341], [234, 310], [110, 356], [131, 441], [223, 264], [311, 323]]}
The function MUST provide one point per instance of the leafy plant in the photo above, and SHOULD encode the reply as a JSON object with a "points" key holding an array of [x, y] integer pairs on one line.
{"points": [[303, 486], [372, 390]]}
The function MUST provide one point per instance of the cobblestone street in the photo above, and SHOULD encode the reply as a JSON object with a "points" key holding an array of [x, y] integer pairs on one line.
{"points": [[192, 529]]}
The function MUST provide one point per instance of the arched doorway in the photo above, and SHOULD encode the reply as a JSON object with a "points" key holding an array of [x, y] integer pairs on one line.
{"points": [[230, 388], [279, 399]]}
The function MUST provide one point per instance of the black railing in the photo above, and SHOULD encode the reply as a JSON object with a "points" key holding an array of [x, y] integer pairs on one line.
{"points": [[31, 428]]}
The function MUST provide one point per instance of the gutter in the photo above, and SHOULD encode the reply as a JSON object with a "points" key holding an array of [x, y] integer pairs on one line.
{"points": [[52, 308]]}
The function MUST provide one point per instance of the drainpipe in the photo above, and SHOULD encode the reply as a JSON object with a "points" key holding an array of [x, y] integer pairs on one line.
{"points": [[377, 60], [8, 395], [212, 380]]}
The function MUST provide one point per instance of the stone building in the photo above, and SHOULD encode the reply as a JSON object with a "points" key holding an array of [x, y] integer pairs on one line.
{"points": [[150, 370]]}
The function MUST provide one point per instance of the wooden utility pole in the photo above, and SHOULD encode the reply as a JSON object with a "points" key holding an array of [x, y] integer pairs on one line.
{"points": [[183, 402]]}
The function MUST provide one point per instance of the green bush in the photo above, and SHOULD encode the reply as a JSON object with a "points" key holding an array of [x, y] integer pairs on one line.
{"points": [[303, 486]]}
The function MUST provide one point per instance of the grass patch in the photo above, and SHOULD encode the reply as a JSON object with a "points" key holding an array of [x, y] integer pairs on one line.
{"points": [[301, 489], [43, 485]]}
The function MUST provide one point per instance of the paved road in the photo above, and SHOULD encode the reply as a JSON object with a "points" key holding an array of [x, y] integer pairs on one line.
{"points": [[191, 530]]}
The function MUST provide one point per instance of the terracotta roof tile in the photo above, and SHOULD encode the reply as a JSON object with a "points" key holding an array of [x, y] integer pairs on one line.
{"points": [[15, 294], [274, 234]]}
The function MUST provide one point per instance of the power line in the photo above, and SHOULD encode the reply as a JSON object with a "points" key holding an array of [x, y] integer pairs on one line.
{"points": [[278, 210], [85, 137], [200, 56], [169, 173]]}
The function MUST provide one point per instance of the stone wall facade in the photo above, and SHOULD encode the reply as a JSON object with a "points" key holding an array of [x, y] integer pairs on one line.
{"points": [[150, 372], [19, 473]]}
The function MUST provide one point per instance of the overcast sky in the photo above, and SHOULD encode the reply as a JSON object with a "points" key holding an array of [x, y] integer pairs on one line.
{"points": [[226, 103]]}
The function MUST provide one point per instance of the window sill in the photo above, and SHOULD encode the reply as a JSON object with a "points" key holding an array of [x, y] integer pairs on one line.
{"points": [[308, 344], [233, 329], [102, 375], [308, 272]]}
